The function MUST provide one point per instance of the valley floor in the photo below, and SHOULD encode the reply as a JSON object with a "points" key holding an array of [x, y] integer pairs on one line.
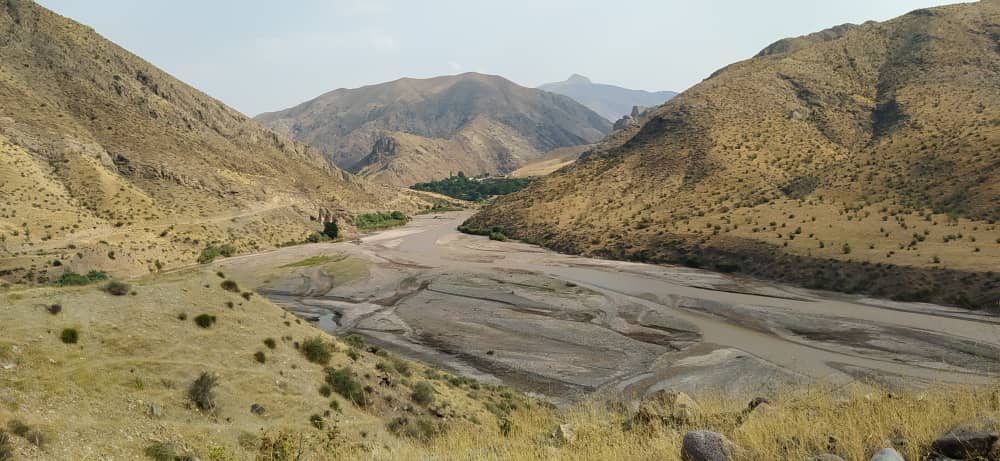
{"points": [[565, 327]]}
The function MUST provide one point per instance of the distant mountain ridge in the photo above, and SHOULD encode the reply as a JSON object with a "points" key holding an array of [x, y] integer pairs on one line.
{"points": [[612, 102], [417, 130]]}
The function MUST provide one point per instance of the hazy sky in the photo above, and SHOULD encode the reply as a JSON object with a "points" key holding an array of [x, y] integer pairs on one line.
{"points": [[266, 55]]}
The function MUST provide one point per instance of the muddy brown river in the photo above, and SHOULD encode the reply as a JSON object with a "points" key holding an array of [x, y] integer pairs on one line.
{"points": [[567, 327]]}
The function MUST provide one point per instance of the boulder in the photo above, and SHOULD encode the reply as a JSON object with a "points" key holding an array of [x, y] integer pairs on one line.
{"points": [[826, 457], [667, 407], [965, 444], [155, 411], [887, 454], [707, 446], [564, 434]]}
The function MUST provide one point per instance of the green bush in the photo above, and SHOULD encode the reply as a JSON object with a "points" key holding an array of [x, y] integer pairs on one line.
{"points": [[6, 450], [317, 350], [212, 251], [230, 285], [423, 393], [70, 336], [344, 383], [270, 343], [205, 320], [164, 451], [316, 421], [371, 221], [202, 391], [116, 288], [70, 278], [423, 429], [464, 188], [260, 357], [499, 236], [355, 341], [331, 230]]}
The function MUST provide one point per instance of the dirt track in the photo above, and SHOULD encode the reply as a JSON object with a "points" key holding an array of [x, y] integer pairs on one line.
{"points": [[565, 326]]}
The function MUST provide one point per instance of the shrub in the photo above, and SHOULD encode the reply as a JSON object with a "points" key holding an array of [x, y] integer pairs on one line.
{"points": [[54, 309], [205, 320], [270, 343], [423, 393], [331, 230], [423, 429], [325, 390], [164, 451], [212, 251], [316, 350], [230, 285], [202, 391], [70, 336], [344, 383], [18, 427], [70, 278], [353, 354], [259, 357], [402, 367], [6, 451], [846, 248], [117, 288], [316, 421], [355, 341], [317, 237]]}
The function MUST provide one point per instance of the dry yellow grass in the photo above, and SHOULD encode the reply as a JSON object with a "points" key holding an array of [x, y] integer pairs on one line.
{"points": [[803, 422]]}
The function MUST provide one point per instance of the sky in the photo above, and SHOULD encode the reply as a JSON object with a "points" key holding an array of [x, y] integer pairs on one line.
{"points": [[259, 56]]}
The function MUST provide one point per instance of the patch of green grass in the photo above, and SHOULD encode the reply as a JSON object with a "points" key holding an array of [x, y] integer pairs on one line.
{"points": [[70, 278], [313, 261], [373, 221]]}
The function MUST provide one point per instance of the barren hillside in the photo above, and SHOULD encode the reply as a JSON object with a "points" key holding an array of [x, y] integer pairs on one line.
{"points": [[107, 162], [416, 130], [861, 159]]}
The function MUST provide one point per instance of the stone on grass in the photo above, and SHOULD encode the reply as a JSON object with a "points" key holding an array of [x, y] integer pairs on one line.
{"points": [[707, 446], [965, 444], [887, 454], [564, 434]]}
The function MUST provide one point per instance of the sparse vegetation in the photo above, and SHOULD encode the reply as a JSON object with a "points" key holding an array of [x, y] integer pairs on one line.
{"points": [[344, 383], [375, 221], [6, 450], [317, 350], [270, 343], [205, 320], [211, 252], [70, 336], [117, 288], [463, 187], [260, 357], [423, 393], [70, 278], [202, 391], [230, 286]]}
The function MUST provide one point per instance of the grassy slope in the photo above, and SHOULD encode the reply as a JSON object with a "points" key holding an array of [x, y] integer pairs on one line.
{"points": [[864, 140], [92, 399]]}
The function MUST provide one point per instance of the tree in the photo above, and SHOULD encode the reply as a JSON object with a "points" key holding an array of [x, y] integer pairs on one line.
{"points": [[331, 229]]}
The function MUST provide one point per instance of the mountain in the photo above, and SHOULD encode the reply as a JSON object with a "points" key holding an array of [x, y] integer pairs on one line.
{"points": [[612, 102], [108, 163], [416, 130], [863, 159]]}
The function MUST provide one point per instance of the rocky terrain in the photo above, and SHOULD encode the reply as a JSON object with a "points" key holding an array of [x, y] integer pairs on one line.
{"points": [[108, 163], [860, 159], [418, 130], [612, 102]]}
